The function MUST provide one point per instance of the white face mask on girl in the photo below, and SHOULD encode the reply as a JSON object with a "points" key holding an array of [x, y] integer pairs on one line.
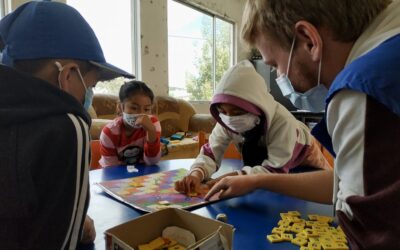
{"points": [[312, 100], [240, 123], [130, 119]]}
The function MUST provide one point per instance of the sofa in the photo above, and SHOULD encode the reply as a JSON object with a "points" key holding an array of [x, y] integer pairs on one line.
{"points": [[175, 115]]}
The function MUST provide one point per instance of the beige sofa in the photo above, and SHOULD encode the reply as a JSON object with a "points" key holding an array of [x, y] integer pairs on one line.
{"points": [[175, 115]]}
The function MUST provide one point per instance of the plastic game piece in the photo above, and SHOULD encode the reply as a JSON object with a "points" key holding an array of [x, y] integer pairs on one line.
{"points": [[164, 140], [299, 241], [222, 218], [177, 136], [136, 184], [297, 229], [145, 247], [323, 218], [341, 246], [302, 235], [287, 228], [170, 242], [284, 223], [314, 245], [166, 203], [310, 233], [313, 234], [326, 239], [294, 213], [156, 243], [285, 216], [192, 194], [306, 248], [328, 246], [277, 230], [313, 217], [339, 238], [177, 247], [132, 169], [287, 237], [273, 238]]}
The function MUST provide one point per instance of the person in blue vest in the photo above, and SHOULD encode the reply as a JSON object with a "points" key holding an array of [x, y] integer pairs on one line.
{"points": [[344, 57]]}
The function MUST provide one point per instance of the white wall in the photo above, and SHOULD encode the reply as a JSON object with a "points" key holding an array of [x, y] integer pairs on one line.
{"points": [[154, 44], [154, 41]]}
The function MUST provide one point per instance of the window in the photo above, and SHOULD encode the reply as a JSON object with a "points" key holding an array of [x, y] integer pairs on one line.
{"points": [[2, 8], [200, 50], [116, 26]]}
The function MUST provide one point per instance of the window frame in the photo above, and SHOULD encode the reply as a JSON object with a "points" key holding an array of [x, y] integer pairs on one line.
{"points": [[4, 8], [214, 15], [135, 38]]}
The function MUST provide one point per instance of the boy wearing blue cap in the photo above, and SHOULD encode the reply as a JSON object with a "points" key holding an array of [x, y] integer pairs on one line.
{"points": [[51, 60]]}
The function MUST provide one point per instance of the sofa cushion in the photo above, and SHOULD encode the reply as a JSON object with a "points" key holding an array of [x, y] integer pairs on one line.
{"points": [[105, 106], [173, 114]]}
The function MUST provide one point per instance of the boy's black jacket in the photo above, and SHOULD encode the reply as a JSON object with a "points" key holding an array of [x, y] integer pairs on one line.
{"points": [[43, 164]]}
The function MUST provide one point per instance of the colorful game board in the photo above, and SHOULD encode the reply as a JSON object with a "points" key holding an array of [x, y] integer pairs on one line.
{"points": [[152, 192]]}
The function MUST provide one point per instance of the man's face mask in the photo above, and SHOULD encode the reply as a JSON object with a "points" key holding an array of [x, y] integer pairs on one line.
{"points": [[312, 100], [88, 91], [240, 123]]}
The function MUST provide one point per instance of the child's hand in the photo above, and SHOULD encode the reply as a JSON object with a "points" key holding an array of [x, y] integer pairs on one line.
{"points": [[89, 232], [145, 122], [231, 186], [212, 182], [189, 184]]}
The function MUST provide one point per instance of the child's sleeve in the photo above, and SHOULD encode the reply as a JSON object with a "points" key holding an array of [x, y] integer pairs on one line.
{"points": [[108, 149], [287, 141], [152, 150], [211, 153]]}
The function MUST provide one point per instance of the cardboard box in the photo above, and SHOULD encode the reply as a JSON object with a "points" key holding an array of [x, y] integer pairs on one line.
{"points": [[209, 233]]}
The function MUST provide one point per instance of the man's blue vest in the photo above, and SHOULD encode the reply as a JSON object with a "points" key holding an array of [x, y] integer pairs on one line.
{"points": [[376, 74]]}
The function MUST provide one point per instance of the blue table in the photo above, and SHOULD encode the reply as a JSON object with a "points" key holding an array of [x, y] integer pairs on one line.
{"points": [[253, 215]]}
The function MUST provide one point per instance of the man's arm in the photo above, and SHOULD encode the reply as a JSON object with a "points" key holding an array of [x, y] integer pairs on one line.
{"points": [[313, 186]]}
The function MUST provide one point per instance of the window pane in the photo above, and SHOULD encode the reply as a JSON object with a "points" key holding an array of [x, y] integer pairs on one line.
{"points": [[111, 21], [2, 8], [189, 52], [196, 59], [224, 47]]}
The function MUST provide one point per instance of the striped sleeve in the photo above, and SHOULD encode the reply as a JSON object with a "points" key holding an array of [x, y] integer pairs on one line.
{"points": [[81, 200], [152, 150], [108, 148]]}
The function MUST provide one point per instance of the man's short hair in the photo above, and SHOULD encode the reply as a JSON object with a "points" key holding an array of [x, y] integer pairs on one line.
{"points": [[346, 19]]}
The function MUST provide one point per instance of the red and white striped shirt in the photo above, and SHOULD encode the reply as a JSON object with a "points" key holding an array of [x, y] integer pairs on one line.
{"points": [[118, 149]]}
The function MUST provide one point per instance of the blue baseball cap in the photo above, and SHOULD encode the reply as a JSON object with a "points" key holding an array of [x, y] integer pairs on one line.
{"points": [[42, 29]]}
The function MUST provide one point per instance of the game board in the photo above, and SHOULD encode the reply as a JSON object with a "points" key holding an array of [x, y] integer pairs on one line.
{"points": [[152, 192]]}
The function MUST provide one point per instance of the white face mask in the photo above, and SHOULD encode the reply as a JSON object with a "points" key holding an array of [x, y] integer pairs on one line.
{"points": [[312, 100], [240, 123], [130, 119]]}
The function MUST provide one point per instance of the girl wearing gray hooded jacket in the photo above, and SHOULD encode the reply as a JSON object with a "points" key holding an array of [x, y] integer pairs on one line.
{"points": [[269, 137]]}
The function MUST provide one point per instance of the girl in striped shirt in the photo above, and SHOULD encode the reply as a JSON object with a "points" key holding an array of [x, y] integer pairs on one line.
{"points": [[133, 137]]}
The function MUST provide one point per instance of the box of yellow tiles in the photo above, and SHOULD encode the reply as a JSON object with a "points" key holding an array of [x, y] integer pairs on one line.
{"points": [[145, 231]]}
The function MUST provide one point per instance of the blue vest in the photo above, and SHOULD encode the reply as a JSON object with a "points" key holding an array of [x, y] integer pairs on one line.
{"points": [[376, 74]]}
